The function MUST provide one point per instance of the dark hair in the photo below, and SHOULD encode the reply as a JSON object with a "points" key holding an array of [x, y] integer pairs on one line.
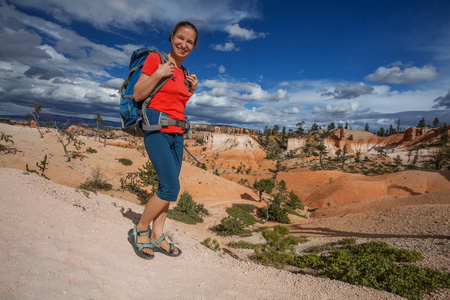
{"points": [[183, 24]]}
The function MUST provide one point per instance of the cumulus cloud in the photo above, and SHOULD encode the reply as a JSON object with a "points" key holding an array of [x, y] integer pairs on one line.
{"points": [[238, 104], [442, 102], [226, 47], [291, 110], [86, 56], [63, 71], [114, 83], [235, 31], [399, 75], [347, 91], [221, 69], [112, 15], [344, 109], [246, 91]]}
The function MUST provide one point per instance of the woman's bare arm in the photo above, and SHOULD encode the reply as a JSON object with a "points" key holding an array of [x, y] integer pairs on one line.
{"points": [[146, 84]]}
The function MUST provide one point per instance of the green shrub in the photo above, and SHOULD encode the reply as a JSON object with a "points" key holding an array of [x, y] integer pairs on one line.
{"points": [[211, 244], [372, 264], [187, 211], [241, 214], [280, 238], [247, 207], [148, 177], [291, 211], [42, 165], [294, 201], [7, 138], [275, 212], [318, 249], [90, 150], [231, 226], [143, 195], [278, 250], [242, 245], [125, 161]]}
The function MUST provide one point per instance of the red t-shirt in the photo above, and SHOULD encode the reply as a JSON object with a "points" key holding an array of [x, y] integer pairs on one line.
{"points": [[172, 97]]}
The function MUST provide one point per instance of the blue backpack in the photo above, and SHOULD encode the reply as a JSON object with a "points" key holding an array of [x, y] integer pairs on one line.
{"points": [[133, 114]]}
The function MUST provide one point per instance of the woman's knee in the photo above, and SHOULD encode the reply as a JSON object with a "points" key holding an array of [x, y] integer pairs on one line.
{"points": [[169, 192]]}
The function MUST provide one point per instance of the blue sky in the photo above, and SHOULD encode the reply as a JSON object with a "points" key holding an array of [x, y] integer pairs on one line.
{"points": [[259, 63]]}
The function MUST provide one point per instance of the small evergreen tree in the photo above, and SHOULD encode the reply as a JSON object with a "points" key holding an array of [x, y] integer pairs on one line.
{"points": [[436, 122], [148, 176], [275, 212], [421, 123], [264, 185]]}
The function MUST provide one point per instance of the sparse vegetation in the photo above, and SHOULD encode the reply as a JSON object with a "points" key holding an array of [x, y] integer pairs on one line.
{"points": [[275, 212], [187, 211], [42, 166], [148, 176], [36, 113], [211, 244], [90, 150], [231, 226], [263, 186], [132, 184], [372, 264], [96, 182], [125, 161], [67, 137], [242, 245], [7, 138]]}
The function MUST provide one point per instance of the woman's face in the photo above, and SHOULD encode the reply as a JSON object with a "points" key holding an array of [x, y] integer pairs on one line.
{"points": [[183, 41]]}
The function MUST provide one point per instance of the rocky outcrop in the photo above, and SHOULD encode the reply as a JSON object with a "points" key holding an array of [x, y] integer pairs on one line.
{"points": [[411, 134], [356, 141]]}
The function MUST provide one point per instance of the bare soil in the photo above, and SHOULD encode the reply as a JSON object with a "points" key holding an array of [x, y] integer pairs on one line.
{"points": [[57, 241]]}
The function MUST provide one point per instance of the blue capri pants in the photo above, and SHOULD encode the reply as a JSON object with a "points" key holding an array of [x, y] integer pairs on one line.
{"points": [[165, 151]]}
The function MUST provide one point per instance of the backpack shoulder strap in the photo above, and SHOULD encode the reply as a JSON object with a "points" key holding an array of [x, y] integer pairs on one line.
{"points": [[186, 74]]}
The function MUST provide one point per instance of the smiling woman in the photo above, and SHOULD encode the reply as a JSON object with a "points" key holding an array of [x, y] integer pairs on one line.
{"points": [[164, 146]]}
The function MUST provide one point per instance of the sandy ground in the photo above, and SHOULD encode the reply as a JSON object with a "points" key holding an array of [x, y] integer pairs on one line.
{"points": [[57, 242]]}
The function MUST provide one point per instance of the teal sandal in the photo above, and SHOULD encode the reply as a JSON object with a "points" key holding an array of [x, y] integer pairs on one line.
{"points": [[157, 248], [138, 247]]}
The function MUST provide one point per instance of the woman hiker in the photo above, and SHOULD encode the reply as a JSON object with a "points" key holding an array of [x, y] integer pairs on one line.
{"points": [[165, 146]]}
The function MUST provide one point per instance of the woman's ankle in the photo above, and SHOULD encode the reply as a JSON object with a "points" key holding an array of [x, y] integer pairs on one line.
{"points": [[141, 227]]}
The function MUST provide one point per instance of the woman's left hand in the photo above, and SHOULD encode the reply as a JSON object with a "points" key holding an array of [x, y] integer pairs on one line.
{"points": [[192, 79]]}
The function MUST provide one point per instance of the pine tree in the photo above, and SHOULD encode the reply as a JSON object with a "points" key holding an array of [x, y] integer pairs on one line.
{"points": [[421, 123], [436, 122]]}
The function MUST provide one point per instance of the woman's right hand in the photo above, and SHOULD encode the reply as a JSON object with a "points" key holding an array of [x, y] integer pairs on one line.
{"points": [[165, 70]]}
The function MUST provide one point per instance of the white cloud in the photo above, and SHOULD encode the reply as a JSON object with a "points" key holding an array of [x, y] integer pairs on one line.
{"points": [[221, 69], [227, 47], [110, 15], [291, 110], [398, 75], [235, 31], [246, 91], [345, 108]]}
